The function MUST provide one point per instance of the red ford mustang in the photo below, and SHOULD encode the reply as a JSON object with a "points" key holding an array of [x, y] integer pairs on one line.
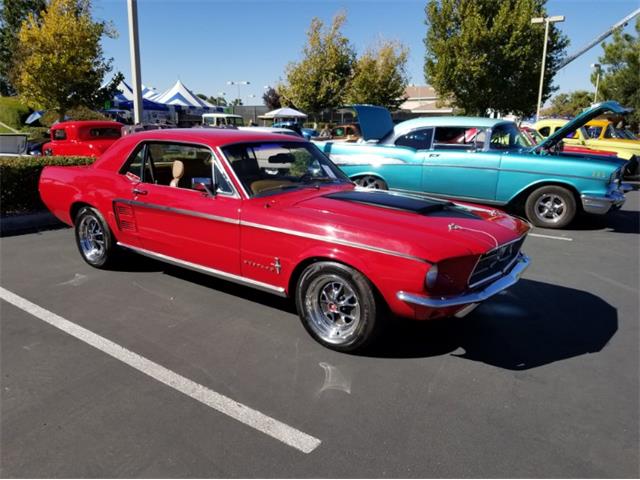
{"points": [[272, 212]]}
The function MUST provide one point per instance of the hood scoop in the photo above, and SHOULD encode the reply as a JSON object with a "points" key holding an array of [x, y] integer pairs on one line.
{"points": [[403, 202]]}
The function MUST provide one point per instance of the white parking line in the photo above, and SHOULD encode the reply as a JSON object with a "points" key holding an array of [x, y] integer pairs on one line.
{"points": [[566, 239], [253, 418]]}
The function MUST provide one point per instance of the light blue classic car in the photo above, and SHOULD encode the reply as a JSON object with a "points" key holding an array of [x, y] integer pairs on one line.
{"points": [[482, 160]]}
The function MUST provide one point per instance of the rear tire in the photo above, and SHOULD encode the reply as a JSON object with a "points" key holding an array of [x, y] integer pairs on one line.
{"points": [[94, 239], [371, 181], [338, 306], [550, 207]]}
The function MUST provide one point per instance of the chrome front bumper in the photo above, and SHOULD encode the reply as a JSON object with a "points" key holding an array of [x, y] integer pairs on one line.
{"points": [[601, 205], [471, 299]]}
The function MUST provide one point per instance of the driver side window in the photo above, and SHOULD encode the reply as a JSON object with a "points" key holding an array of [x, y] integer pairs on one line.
{"points": [[175, 165]]}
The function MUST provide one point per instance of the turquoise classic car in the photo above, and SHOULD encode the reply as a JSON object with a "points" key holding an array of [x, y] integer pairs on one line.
{"points": [[482, 160]]}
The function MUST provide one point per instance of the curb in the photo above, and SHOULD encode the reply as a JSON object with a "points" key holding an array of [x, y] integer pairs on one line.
{"points": [[28, 223]]}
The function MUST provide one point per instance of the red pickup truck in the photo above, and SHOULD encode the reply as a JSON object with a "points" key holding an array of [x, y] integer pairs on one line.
{"points": [[87, 138]]}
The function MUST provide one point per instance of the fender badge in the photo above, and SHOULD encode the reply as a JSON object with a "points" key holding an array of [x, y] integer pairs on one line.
{"points": [[276, 265], [454, 226]]}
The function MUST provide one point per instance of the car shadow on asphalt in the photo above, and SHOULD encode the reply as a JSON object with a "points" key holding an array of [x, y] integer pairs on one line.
{"points": [[532, 324], [620, 221]]}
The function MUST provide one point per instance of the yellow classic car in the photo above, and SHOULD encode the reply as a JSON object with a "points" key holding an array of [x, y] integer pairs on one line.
{"points": [[595, 135]]}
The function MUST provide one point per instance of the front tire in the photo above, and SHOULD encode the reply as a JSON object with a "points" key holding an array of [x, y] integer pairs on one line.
{"points": [[94, 238], [550, 207], [337, 306]]}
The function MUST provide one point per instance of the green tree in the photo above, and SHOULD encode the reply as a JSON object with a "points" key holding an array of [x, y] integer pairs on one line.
{"points": [[219, 101], [380, 76], [484, 54], [569, 104], [59, 60], [320, 80], [620, 77], [12, 14]]}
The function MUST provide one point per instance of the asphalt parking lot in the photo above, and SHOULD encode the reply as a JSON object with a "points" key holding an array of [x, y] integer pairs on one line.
{"points": [[541, 381]]}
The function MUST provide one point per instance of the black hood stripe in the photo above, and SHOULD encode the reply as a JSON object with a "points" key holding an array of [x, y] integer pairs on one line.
{"points": [[404, 202]]}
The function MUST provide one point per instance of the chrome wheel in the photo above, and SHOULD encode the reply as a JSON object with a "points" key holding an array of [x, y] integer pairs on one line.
{"points": [[369, 181], [334, 309], [91, 238], [550, 208]]}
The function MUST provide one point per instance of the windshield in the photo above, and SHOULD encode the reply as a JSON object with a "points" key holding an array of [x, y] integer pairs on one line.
{"points": [[271, 167], [506, 136]]}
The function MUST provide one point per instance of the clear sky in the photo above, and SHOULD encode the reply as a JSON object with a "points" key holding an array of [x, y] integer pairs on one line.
{"points": [[206, 43]]}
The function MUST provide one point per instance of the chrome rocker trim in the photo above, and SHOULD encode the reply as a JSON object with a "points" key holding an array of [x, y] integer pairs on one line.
{"points": [[207, 270], [469, 298], [601, 205]]}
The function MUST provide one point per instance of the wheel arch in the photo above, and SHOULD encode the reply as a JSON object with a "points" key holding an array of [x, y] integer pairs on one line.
{"points": [[368, 173], [75, 208], [305, 262], [519, 199]]}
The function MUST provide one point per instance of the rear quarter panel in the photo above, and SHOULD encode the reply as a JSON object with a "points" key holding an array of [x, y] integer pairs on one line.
{"points": [[61, 187], [399, 167]]}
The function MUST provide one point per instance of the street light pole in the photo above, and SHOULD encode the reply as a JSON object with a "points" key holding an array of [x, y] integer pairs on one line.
{"points": [[546, 21], [597, 67], [134, 48], [238, 83]]}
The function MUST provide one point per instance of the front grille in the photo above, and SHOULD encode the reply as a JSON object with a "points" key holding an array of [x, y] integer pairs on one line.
{"points": [[495, 263]]}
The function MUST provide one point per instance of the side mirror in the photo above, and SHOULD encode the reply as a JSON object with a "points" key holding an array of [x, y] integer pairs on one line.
{"points": [[201, 187]]}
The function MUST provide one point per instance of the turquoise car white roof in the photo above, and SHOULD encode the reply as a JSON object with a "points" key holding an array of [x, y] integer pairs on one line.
{"points": [[480, 122]]}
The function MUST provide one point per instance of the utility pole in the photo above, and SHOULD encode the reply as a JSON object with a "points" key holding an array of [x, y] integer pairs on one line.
{"points": [[597, 67], [546, 21], [134, 48]]}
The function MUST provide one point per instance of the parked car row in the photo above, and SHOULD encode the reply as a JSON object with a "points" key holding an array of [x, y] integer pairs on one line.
{"points": [[483, 160], [275, 213]]}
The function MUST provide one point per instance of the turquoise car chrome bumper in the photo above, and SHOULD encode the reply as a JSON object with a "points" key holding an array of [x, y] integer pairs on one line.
{"points": [[473, 297], [599, 205]]}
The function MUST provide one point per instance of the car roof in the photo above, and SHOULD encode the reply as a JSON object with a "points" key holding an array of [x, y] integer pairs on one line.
{"points": [[87, 123], [552, 121], [450, 121], [210, 136], [599, 122]]}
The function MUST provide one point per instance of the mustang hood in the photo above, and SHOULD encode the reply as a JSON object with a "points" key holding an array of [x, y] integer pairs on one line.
{"points": [[375, 122], [427, 228], [579, 121]]}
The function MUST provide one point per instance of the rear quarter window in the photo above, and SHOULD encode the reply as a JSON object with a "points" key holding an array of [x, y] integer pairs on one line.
{"points": [[59, 134]]}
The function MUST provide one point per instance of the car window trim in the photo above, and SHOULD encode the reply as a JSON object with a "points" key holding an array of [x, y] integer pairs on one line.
{"points": [[216, 160]]}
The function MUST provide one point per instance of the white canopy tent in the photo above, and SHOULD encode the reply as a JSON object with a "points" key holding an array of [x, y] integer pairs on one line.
{"points": [[285, 112], [182, 96]]}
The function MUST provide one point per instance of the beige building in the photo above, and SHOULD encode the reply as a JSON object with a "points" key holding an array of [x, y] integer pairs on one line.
{"points": [[421, 101]]}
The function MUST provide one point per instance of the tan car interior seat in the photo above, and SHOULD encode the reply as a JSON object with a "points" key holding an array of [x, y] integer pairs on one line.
{"points": [[178, 172]]}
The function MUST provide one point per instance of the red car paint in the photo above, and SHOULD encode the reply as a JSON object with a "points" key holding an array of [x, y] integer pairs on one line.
{"points": [[86, 138], [242, 236]]}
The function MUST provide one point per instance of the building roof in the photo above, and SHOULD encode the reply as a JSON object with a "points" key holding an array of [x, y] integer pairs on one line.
{"points": [[423, 99]]}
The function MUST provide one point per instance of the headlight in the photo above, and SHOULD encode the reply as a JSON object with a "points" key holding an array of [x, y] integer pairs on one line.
{"points": [[431, 277]]}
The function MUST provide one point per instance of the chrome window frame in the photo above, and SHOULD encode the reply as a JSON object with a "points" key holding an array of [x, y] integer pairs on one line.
{"points": [[290, 139], [214, 157]]}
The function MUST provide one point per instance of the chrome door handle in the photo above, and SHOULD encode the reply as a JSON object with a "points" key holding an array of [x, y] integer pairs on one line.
{"points": [[137, 191], [434, 155]]}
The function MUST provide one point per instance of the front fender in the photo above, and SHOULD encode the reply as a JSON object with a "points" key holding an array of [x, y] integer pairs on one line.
{"points": [[387, 274]]}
